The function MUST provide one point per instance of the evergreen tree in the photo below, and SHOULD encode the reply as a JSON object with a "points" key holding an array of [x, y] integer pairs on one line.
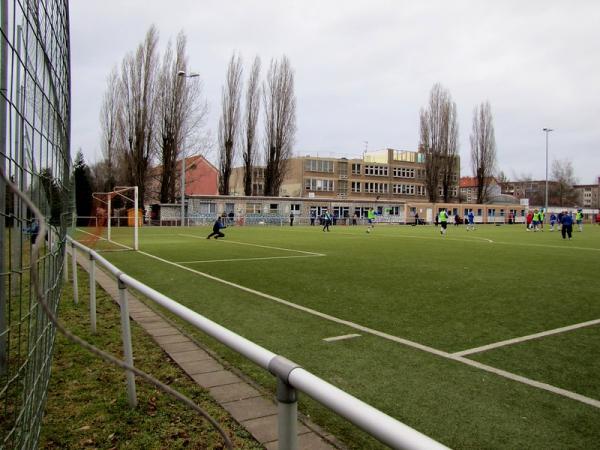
{"points": [[83, 186]]}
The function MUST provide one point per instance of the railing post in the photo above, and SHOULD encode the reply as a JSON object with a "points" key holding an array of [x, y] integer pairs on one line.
{"points": [[92, 273], [127, 349], [287, 416], [287, 403], [66, 264], [74, 270]]}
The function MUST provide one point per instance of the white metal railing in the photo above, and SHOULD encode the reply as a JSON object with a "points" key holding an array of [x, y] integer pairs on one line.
{"points": [[290, 376]]}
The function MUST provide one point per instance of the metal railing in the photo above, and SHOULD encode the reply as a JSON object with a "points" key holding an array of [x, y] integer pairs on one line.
{"points": [[290, 376]]}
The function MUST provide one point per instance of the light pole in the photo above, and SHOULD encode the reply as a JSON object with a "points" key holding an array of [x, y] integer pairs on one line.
{"points": [[183, 74], [547, 131]]}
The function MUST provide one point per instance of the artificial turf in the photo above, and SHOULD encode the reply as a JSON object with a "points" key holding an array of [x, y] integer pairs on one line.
{"points": [[454, 293]]}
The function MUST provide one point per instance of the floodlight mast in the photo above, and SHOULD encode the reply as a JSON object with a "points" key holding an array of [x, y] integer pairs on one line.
{"points": [[547, 131], [184, 74]]}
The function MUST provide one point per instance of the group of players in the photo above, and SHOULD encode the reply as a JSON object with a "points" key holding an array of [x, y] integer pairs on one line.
{"points": [[534, 222]]}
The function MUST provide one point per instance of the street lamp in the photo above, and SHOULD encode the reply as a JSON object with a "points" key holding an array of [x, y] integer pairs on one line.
{"points": [[183, 74], [546, 130]]}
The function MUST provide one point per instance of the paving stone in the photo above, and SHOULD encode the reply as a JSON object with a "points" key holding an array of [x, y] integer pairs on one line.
{"points": [[171, 339], [232, 392], [250, 408], [307, 441], [165, 331], [264, 429], [179, 347], [189, 355], [218, 378], [197, 367]]}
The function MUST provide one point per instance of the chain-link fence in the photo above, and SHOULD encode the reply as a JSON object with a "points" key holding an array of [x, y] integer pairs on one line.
{"points": [[34, 145]]}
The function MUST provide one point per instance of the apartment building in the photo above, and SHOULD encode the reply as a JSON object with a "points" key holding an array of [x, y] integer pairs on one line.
{"points": [[588, 195], [380, 175]]}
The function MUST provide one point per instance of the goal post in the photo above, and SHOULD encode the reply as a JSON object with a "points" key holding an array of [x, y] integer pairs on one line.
{"points": [[120, 208]]}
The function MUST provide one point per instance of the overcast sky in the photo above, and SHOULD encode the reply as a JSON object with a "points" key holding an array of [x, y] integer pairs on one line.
{"points": [[363, 69]]}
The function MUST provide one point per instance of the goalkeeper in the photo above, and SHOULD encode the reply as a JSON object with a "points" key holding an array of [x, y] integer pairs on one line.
{"points": [[217, 227]]}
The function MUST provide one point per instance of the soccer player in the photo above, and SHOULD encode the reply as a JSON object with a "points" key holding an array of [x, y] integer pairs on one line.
{"points": [[443, 219], [326, 220], [579, 219], [471, 217], [370, 219], [567, 225], [552, 221], [217, 227]]}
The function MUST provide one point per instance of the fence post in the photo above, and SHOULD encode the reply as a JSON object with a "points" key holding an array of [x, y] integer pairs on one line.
{"points": [[287, 416], [74, 270], [92, 273], [66, 264], [127, 349], [287, 403]]}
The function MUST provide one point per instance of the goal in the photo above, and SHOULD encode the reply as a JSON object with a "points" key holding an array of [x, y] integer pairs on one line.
{"points": [[115, 220]]}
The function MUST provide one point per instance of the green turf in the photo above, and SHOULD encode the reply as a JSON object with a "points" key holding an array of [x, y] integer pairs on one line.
{"points": [[463, 291]]}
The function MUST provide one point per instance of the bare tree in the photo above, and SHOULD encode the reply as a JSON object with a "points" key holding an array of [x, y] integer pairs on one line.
{"points": [[111, 129], [251, 119], [280, 122], [450, 161], [137, 90], [180, 115], [229, 122], [439, 142], [483, 149], [563, 193]]}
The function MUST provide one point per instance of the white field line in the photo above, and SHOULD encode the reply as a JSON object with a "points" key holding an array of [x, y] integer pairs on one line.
{"points": [[340, 338], [567, 246], [104, 239], [247, 259], [483, 348], [502, 373], [412, 236], [257, 245]]}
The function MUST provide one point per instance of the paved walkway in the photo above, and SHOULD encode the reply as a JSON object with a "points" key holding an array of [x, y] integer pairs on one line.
{"points": [[254, 410]]}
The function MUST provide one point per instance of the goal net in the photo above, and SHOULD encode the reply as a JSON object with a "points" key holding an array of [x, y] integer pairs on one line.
{"points": [[115, 220]]}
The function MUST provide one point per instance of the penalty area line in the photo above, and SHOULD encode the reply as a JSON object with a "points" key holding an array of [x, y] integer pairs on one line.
{"points": [[259, 245], [247, 259], [425, 348], [529, 337]]}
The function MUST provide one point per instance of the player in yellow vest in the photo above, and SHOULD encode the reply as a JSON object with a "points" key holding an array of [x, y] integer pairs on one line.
{"points": [[443, 219], [579, 219], [370, 219]]}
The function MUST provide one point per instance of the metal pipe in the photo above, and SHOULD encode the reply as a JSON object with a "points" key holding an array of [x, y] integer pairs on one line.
{"points": [[287, 416], [74, 270], [127, 348], [379, 425], [92, 273]]}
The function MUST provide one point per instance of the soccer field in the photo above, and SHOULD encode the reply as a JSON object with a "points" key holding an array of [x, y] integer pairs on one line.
{"points": [[460, 337]]}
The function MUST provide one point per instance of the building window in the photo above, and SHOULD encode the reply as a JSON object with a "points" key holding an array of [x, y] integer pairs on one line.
{"points": [[355, 169], [318, 165], [273, 208], [376, 188], [343, 187], [403, 172], [379, 171], [253, 208], [295, 207], [312, 184], [355, 186], [406, 189], [421, 190]]}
